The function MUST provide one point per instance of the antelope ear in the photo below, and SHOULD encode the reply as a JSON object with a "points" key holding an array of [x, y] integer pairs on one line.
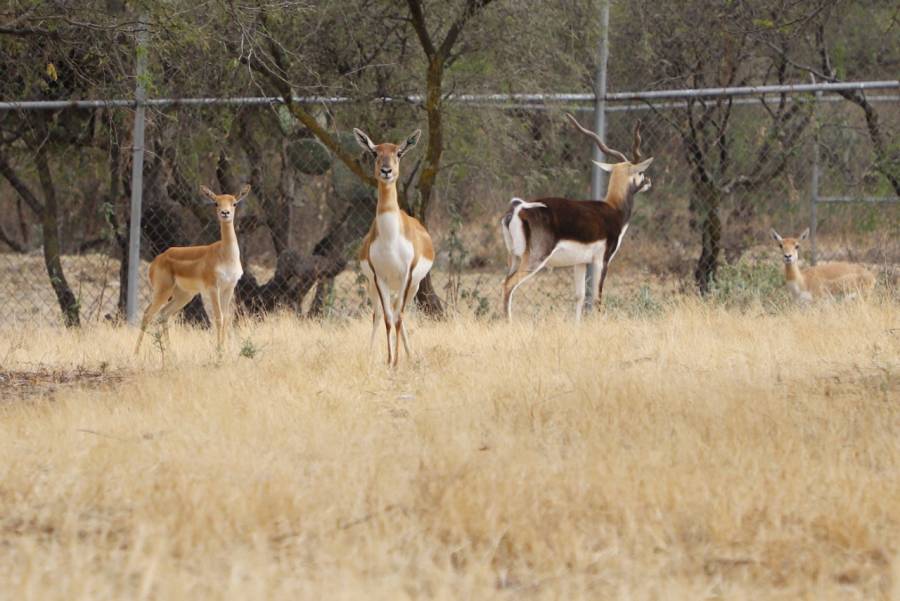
{"points": [[245, 190], [608, 167], [775, 235], [409, 142], [640, 167], [209, 194], [805, 234], [363, 140]]}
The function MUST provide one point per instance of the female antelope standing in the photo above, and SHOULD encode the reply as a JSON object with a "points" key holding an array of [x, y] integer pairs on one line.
{"points": [[573, 233], [178, 274], [397, 252]]}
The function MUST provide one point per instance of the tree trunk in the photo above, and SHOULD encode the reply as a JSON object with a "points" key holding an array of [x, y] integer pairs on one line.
{"points": [[116, 186], [23, 224], [708, 200], [435, 147], [427, 299], [295, 276], [50, 231], [741, 228]]}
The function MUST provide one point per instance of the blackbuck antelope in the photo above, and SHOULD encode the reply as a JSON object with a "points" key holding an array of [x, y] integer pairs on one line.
{"points": [[822, 280], [178, 274], [573, 233], [397, 252]]}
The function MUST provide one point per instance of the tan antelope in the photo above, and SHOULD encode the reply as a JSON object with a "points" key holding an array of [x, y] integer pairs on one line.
{"points": [[823, 280], [573, 233], [178, 274], [397, 252]]}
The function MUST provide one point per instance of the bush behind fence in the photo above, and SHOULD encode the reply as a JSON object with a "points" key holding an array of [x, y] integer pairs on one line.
{"points": [[733, 169]]}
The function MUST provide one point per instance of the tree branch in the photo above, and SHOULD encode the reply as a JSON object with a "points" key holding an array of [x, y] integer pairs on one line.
{"points": [[302, 115], [328, 140], [26, 31], [5, 238], [21, 187], [858, 97], [767, 156], [418, 22], [472, 7], [182, 191]]}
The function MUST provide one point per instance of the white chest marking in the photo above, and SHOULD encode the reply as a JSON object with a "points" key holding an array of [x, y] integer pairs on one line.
{"points": [[797, 291], [388, 225], [229, 274], [391, 253], [568, 253]]}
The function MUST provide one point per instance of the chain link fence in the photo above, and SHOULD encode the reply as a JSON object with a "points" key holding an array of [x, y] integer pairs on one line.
{"points": [[727, 168]]}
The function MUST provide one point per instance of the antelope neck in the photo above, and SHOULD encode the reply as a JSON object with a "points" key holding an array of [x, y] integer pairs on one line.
{"points": [[623, 202], [387, 197], [229, 239], [792, 273]]}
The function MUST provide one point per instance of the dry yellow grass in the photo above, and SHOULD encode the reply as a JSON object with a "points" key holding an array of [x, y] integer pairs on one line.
{"points": [[701, 453]]}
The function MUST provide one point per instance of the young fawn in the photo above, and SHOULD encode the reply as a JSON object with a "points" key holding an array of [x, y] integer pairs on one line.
{"points": [[822, 280], [178, 274]]}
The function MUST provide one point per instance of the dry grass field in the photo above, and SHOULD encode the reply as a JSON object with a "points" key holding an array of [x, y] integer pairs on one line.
{"points": [[695, 452]]}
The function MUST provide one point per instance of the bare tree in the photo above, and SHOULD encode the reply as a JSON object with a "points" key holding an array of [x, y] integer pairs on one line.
{"points": [[51, 52], [273, 59], [812, 23], [726, 57]]}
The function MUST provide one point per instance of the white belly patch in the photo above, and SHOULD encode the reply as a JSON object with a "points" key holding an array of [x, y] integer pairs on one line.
{"points": [[568, 253]]}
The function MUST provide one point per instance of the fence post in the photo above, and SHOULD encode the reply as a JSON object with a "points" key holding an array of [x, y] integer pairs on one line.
{"points": [[814, 185], [137, 174], [598, 176]]}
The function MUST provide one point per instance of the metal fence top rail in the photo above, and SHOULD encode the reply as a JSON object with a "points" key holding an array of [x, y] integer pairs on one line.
{"points": [[759, 90], [462, 98], [647, 106]]}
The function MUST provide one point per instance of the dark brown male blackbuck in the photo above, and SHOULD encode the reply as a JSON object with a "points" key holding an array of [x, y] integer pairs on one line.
{"points": [[574, 233]]}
